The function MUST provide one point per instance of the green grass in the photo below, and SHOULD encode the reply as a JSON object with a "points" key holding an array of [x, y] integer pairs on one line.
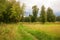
{"points": [[27, 31], [50, 28], [41, 35]]}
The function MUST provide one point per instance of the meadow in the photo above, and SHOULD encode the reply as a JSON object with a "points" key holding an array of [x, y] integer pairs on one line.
{"points": [[30, 31]]}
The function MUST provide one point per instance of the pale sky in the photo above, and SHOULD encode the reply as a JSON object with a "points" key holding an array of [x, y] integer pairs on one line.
{"points": [[54, 4]]}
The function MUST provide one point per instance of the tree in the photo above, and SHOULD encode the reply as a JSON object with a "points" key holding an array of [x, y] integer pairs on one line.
{"points": [[58, 18], [3, 5], [50, 15], [43, 15], [35, 12], [22, 12], [15, 12], [10, 11], [31, 18], [26, 19]]}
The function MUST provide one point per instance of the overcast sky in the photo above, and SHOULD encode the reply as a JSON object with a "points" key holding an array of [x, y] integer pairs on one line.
{"points": [[54, 4]]}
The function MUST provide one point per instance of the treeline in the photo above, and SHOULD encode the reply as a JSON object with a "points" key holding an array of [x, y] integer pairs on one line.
{"points": [[45, 15], [13, 11]]}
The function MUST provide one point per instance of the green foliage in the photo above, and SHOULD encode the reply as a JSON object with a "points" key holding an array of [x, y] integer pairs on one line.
{"points": [[35, 12], [22, 13], [15, 12], [43, 15], [3, 6], [31, 18], [50, 15], [10, 11], [58, 18], [26, 19]]}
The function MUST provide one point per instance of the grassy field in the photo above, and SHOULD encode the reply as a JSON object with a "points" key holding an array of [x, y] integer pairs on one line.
{"points": [[30, 31]]}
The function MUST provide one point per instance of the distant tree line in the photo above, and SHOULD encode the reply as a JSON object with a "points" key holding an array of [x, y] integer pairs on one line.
{"points": [[13, 11], [58, 18], [45, 16]]}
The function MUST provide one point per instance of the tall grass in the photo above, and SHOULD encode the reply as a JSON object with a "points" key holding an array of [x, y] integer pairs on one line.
{"points": [[21, 32], [39, 34]]}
